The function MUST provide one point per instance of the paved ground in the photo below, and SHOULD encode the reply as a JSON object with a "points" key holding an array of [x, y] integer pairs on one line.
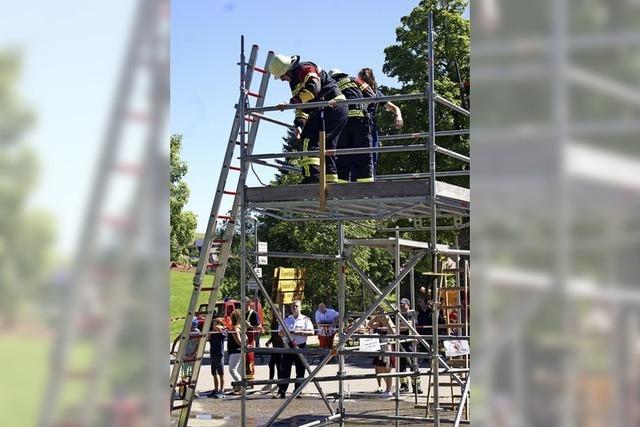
{"points": [[361, 398]]}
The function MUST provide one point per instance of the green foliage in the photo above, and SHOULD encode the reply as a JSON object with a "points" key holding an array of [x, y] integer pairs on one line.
{"points": [[26, 235], [182, 223], [407, 61]]}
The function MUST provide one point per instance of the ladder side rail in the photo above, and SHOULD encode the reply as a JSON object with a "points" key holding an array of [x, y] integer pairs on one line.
{"points": [[211, 230], [228, 233]]}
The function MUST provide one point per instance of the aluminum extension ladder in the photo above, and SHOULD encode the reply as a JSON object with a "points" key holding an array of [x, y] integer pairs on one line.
{"points": [[223, 244], [102, 273]]}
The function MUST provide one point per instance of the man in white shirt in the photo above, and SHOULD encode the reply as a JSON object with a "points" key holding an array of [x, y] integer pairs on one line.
{"points": [[326, 319], [300, 327]]}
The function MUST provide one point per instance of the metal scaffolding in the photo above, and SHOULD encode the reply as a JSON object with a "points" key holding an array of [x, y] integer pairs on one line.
{"points": [[397, 196]]}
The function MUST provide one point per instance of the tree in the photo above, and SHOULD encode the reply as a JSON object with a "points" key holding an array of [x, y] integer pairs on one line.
{"points": [[182, 223], [407, 61], [26, 235]]}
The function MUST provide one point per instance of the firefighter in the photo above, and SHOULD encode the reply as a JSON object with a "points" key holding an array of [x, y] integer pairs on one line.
{"points": [[357, 132], [309, 83]]}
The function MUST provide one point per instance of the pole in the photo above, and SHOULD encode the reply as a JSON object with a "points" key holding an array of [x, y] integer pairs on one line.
{"points": [[398, 332], [432, 195], [341, 309], [321, 155], [243, 242]]}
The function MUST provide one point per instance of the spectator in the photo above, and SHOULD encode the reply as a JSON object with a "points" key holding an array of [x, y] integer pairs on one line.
{"points": [[405, 305], [381, 324], [425, 315], [275, 361], [253, 329], [233, 348], [326, 319], [216, 343], [300, 327]]}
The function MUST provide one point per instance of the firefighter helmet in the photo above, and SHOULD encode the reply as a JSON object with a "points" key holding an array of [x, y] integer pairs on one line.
{"points": [[335, 72], [280, 64]]}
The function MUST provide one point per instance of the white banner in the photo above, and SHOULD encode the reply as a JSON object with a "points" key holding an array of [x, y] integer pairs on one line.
{"points": [[369, 344], [263, 247], [456, 348]]}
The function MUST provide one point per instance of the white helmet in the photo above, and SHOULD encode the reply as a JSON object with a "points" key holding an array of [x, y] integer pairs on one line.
{"points": [[280, 64]]}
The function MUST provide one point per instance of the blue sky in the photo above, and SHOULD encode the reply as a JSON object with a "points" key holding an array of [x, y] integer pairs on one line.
{"points": [[71, 55], [205, 48]]}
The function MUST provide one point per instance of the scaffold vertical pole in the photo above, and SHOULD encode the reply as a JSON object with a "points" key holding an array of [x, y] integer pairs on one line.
{"points": [[243, 240], [432, 195], [341, 310], [323, 160], [396, 255]]}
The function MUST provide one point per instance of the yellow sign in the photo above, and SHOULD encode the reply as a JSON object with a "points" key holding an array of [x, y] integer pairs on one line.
{"points": [[289, 284]]}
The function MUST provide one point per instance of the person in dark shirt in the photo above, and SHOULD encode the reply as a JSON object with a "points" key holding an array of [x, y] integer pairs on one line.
{"points": [[254, 327], [424, 320], [216, 342], [366, 74], [275, 361]]}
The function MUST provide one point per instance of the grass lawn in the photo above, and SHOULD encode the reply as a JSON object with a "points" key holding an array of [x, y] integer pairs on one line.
{"points": [[181, 284], [25, 362]]}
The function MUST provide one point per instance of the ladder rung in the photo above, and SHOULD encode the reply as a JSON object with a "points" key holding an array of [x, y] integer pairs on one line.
{"points": [[116, 221], [227, 217], [206, 289], [239, 143], [231, 193], [78, 373], [256, 95], [191, 359], [187, 383], [220, 241], [129, 168], [259, 69], [175, 408], [139, 116], [233, 168], [249, 119]]}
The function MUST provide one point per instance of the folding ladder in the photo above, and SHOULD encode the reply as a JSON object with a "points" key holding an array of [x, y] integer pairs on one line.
{"points": [[96, 280], [223, 244]]}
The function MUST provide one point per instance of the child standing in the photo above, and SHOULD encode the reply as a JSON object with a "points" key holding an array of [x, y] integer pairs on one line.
{"points": [[216, 342]]}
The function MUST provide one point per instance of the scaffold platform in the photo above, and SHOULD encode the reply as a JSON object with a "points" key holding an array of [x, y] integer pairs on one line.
{"points": [[362, 200]]}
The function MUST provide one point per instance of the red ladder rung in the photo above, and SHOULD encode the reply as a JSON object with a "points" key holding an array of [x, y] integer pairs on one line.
{"points": [[259, 69], [233, 168], [115, 221], [129, 168], [139, 116], [231, 193], [227, 217], [206, 289], [218, 241], [257, 95]]}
